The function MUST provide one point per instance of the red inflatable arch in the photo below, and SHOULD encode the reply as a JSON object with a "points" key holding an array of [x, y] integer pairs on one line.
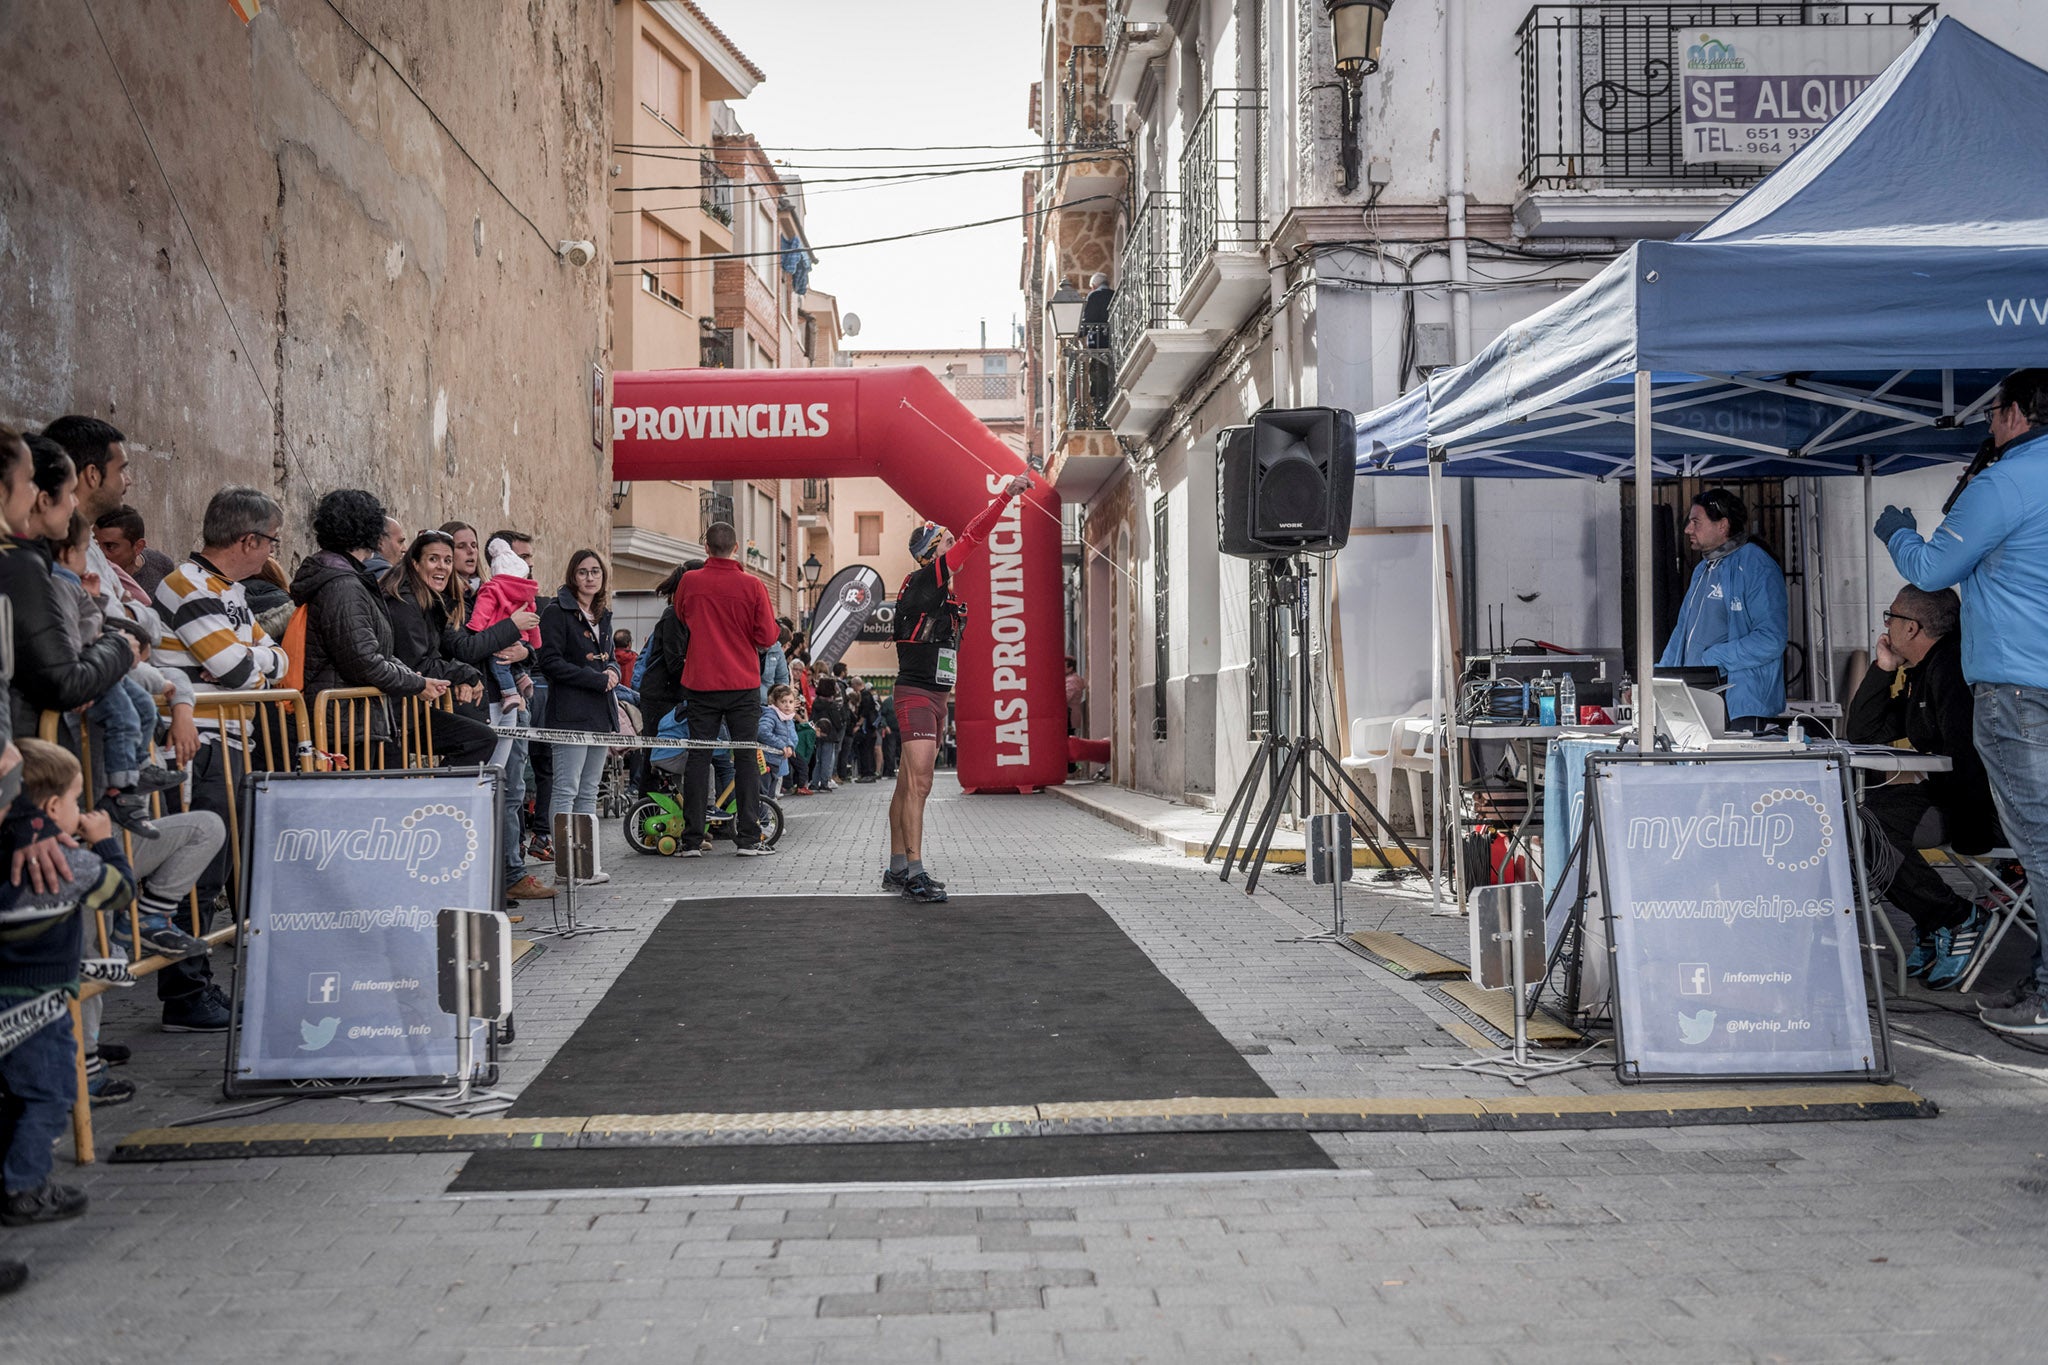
{"points": [[901, 425]]}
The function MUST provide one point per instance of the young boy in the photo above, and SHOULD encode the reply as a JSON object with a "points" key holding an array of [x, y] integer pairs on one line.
{"points": [[778, 736], [126, 715], [42, 943]]}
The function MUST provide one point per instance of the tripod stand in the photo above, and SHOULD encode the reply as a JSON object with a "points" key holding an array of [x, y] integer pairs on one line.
{"points": [[1283, 759]]}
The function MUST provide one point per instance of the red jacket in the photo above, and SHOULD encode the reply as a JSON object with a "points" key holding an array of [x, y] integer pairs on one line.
{"points": [[730, 620]]}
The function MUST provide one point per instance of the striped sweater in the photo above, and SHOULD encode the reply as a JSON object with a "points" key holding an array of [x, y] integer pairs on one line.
{"points": [[211, 635]]}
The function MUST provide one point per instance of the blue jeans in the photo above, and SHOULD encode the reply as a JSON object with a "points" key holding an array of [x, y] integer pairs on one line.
{"points": [[578, 770], [511, 756], [125, 714], [2012, 739], [824, 762], [38, 1083]]}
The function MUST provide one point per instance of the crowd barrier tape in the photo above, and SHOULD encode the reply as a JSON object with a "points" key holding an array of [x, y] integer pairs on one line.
{"points": [[602, 739]]}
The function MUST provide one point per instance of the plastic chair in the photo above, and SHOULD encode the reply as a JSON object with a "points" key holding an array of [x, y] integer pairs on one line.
{"points": [[1382, 744]]}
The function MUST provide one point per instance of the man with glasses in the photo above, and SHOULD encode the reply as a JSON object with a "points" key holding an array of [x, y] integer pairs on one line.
{"points": [[1931, 709], [212, 637], [1993, 547]]}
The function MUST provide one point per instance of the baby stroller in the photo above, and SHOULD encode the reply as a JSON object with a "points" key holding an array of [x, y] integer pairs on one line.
{"points": [[655, 824]]}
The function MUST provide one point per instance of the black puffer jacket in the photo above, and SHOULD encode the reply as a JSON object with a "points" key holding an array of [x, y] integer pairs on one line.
{"points": [[348, 637], [661, 686], [473, 647], [573, 658], [423, 640], [48, 674]]}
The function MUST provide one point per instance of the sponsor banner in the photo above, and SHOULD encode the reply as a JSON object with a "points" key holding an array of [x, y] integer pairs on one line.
{"points": [[346, 878], [1731, 903], [1758, 95], [846, 606]]}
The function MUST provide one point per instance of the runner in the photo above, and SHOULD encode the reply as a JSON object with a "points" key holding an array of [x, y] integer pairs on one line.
{"points": [[929, 624]]}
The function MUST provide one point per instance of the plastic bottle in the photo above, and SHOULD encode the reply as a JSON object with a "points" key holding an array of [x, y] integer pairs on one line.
{"points": [[1546, 700], [1567, 700]]}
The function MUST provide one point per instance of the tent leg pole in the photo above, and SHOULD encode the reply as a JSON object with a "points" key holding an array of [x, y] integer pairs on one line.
{"points": [[1646, 655], [1869, 561], [1442, 700]]}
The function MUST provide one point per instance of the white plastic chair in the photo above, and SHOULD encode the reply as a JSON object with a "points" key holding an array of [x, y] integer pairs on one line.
{"points": [[1381, 745]]}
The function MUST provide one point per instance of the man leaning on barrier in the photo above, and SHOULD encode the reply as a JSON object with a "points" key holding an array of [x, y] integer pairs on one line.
{"points": [[214, 639]]}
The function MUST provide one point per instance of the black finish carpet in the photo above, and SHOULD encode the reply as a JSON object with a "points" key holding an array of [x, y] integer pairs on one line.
{"points": [[745, 1005]]}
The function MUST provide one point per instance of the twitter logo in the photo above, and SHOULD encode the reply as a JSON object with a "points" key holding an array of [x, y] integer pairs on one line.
{"points": [[313, 1037], [1692, 1028]]}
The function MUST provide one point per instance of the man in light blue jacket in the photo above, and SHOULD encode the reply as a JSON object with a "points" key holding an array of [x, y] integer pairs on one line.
{"points": [[1734, 613], [1993, 548]]}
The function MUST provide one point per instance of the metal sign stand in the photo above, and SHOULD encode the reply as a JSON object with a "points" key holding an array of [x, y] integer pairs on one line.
{"points": [[1329, 860], [575, 860], [1508, 915], [475, 950]]}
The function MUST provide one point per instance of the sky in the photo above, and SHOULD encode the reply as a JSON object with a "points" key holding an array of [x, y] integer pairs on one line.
{"points": [[900, 73]]}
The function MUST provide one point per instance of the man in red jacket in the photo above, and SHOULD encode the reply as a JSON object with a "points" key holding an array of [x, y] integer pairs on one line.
{"points": [[730, 620]]}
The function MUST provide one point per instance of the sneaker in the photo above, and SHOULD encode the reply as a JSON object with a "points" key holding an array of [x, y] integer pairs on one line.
{"points": [[202, 1012], [895, 881], [858, 780], [597, 879], [540, 849], [923, 889], [13, 1275], [156, 778], [1922, 957], [2028, 1014], [130, 812], [109, 1091], [1953, 948], [690, 851], [755, 850], [2006, 998], [529, 888], [161, 938], [803, 791], [48, 1202], [115, 1054]]}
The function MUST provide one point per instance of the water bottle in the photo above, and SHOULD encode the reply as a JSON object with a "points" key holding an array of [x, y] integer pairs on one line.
{"points": [[1546, 700], [1567, 700]]}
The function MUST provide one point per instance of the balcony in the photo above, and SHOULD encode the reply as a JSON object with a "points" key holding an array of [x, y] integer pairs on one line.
{"points": [[1085, 167], [712, 508], [714, 348], [716, 188], [1155, 353], [815, 498], [1602, 149], [1131, 44], [1222, 181], [1085, 453]]}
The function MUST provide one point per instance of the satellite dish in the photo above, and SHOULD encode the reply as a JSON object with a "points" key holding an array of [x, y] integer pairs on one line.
{"points": [[849, 326]]}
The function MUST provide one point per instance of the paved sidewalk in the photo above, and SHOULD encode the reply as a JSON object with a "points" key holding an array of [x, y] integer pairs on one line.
{"points": [[1789, 1242]]}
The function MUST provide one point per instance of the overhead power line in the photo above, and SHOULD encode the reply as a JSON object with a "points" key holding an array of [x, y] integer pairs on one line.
{"points": [[869, 241]]}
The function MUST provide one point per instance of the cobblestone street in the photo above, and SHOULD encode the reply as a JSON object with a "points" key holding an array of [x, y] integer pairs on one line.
{"points": [[1798, 1242]]}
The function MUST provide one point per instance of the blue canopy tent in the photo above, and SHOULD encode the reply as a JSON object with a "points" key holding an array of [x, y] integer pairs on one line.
{"points": [[1851, 314]]}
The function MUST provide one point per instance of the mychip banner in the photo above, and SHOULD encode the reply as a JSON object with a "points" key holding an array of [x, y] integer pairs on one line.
{"points": [[1732, 911], [346, 876], [1757, 95]]}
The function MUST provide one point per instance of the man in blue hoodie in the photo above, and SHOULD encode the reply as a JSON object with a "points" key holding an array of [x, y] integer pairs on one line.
{"points": [[1993, 549], [1734, 613]]}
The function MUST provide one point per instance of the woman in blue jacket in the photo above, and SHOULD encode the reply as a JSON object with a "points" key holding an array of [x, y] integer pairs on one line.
{"points": [[1734, 614]]}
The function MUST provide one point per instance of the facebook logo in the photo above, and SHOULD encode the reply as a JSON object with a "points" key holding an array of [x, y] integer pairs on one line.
{"points": [[1695, 978], [323, 988]]}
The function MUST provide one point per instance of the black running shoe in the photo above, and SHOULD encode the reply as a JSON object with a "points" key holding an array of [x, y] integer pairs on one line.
{"points": [[130, 812], [893, 880], [48, 1202], [922, 888]]}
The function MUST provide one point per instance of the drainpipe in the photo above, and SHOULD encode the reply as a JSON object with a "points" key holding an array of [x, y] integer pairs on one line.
{"points": [[1461, 297]]}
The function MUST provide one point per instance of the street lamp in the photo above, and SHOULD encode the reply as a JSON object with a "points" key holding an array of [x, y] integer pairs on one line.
{"points": [[811, 568], [1064, 308], [1356, 30], [620, 490]]}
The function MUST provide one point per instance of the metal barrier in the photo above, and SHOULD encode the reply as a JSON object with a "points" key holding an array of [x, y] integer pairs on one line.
{"points": [[263, 730], [344, 720]]}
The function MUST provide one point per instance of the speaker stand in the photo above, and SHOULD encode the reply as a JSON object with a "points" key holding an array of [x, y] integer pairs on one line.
{"points": [[1288, 758]]}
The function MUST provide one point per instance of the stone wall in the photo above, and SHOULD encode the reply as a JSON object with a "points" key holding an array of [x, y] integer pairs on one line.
{"points": [[328, 290]]}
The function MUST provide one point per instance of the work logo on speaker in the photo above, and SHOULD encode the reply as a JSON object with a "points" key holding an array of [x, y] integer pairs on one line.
{"points": [[1731, 902], [347, 877]]}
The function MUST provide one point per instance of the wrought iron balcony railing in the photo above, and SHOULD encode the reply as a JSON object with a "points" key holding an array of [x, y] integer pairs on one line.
{"points": [[714, 348], [712, 508], [1600, 90], [1087, 378], [716, 187], [987, 388], [815, 499], [1222, 180], [1086, 119], [1148, 274]]}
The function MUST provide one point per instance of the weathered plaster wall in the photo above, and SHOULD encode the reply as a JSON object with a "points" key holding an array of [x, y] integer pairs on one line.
{"points": [[376, 312]]}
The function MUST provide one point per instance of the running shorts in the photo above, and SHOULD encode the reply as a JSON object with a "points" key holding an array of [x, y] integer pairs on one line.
{"points": [[920, 712]]}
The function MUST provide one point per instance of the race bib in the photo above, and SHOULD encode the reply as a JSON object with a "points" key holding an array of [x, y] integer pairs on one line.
{"points": [[949, 666]]}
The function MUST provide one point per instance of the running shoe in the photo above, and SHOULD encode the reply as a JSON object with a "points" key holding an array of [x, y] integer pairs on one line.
{"points": [[755, 850], [893, 880], [48, 1202], [1921, 959], [2028, 1014], [923, 889], [1954, 946]]}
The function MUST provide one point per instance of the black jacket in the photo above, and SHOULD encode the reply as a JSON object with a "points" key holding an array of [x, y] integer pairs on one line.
{"points": [[828, 711], [48, 676], [661, 686], [349, 639], [426, 641], [459, 644], [573, 658], [1936, 714]]}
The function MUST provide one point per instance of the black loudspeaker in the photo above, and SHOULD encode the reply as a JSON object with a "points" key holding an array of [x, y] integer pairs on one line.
{"points": [[1283, 484]]}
